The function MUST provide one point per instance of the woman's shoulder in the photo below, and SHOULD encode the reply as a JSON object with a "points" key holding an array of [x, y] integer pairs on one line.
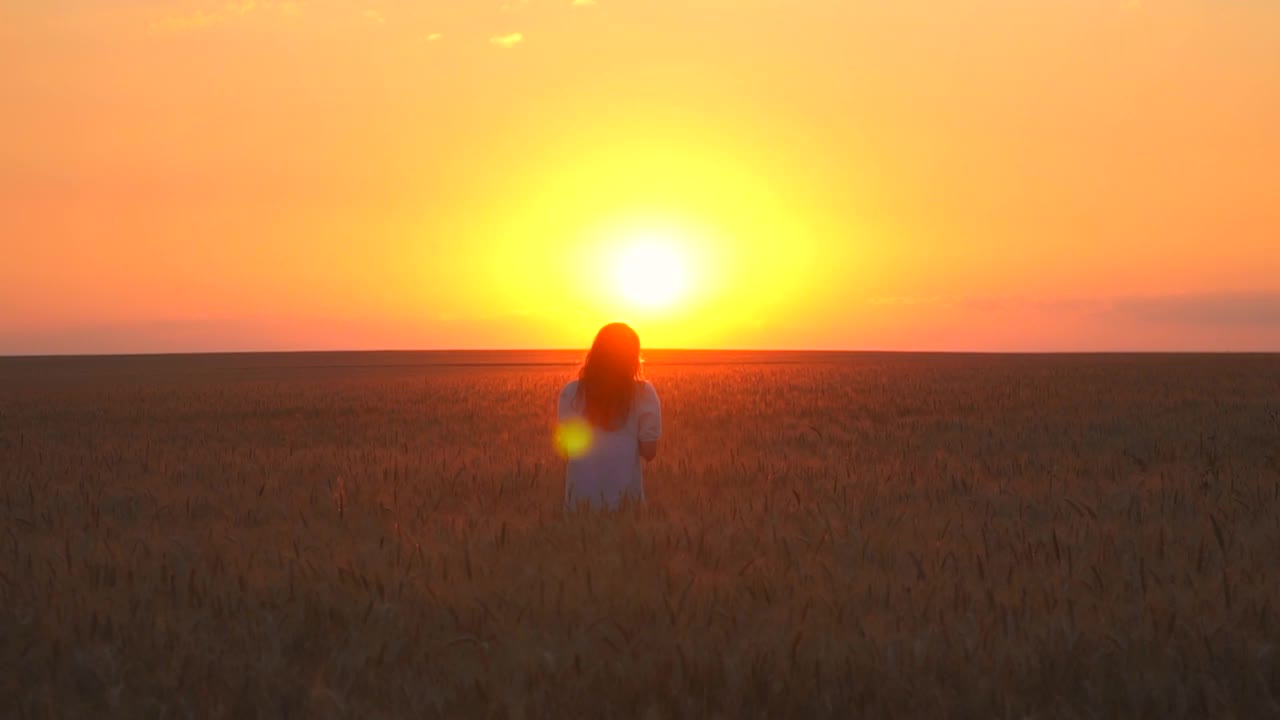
{"points": [[645, 389], [568, 397]]}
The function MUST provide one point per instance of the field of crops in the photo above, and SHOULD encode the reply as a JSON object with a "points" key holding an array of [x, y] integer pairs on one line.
{"points": [[825, 536]]}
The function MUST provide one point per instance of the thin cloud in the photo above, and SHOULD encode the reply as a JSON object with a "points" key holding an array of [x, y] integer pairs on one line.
{"points": [[905, 300], [433, 37], [1203, 310], [507, 41], [220, 14], [1206, 310], [583, 3], [185, 22]]}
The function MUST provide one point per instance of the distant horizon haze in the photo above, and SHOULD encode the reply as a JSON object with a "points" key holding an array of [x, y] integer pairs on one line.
{"points": [[573, 356]]}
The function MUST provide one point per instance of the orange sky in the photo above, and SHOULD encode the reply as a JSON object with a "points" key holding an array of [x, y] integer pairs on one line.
{"points": [[905, 174]]}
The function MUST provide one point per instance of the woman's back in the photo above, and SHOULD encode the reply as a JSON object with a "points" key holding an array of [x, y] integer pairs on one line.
{"points": [[605, 469]]}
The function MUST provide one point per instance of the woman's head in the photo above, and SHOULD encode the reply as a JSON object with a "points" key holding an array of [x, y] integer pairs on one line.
{"points": [[607, 381]]}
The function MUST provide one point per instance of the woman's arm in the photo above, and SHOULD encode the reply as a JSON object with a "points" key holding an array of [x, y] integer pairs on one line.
{"points": [[650, 423]]}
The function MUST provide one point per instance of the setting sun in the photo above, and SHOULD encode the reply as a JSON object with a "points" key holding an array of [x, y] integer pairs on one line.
{"points": [[651, 272]]}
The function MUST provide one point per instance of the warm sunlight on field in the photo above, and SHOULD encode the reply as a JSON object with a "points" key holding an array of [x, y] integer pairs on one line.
{"points": [[831, 537]]}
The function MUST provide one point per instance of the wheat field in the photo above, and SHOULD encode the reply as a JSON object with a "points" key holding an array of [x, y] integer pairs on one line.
{"points": [[826, 535]]}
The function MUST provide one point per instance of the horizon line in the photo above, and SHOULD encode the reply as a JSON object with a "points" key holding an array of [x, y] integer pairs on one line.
{"points": [[828, 351]]}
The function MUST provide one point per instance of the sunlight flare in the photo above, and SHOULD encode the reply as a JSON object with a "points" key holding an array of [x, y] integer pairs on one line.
{"points": [[573, 438]]}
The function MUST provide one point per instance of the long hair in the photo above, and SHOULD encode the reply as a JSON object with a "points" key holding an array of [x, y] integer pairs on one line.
{"points": [[607, 381]]}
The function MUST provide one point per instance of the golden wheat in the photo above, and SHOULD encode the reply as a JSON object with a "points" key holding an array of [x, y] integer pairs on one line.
{"points": [[943, 536]]}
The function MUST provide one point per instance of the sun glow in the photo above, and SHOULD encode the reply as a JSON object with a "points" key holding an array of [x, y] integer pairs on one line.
{"points": [[693, 243], [651, 272]]}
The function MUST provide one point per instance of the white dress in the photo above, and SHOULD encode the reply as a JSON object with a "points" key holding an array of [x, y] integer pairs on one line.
{"points": [[608, 470]]}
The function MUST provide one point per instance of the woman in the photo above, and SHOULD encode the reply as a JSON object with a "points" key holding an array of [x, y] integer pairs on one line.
{"points": [[609, 418]]}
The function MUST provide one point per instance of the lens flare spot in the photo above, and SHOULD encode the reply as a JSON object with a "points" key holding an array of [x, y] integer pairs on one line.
{"points": [[573, 438]]}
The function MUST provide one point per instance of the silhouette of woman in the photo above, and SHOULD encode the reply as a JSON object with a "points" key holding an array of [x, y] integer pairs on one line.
{"points": [[610, 418]]}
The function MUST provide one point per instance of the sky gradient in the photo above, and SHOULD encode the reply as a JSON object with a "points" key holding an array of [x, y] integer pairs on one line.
{"points": [[861, 174]]}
